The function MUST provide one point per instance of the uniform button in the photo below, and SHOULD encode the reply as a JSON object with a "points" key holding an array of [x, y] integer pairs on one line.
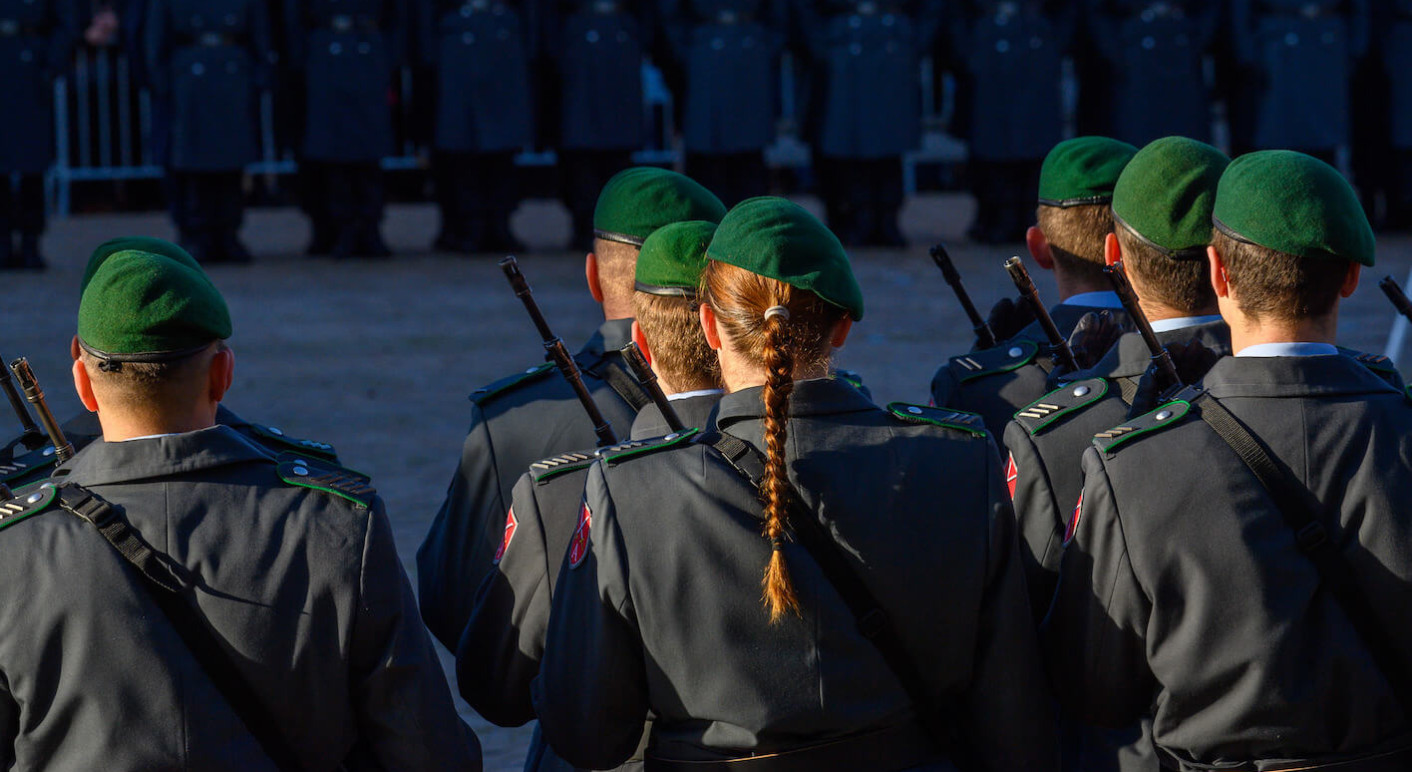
{"points": [[365, 48], [1164, 415], [468, 38], [1292, 39], [276, 432], [198, 69], [1001, 46], [856, 49], [592, 36], [49, 451], [335, 49], [914, 410], [1082, 391], [1149, 43], [718, 44], [301, 471], [532, 369], [34, 498], [670, 437], [1015, 352]]}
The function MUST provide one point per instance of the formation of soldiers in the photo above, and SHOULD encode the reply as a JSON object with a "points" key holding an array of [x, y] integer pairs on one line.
{"points": [[1172, 534], [491, 78]]}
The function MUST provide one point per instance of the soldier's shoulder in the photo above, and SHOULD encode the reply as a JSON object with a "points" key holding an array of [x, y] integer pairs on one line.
{"points": [[1071, 398], [276, 439], [1161, 419], [554, 467], [28, 466], [1375, 362], [1007, 357], [616, 455], [26, 504], [318, 474], [511, 384], [970, 424]]}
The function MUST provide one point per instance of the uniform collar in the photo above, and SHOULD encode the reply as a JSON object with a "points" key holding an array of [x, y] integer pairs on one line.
{"points": [[820, 396], [1183, 322], [1067, 314], [693, 410], [1106, 299], [1289, 350], [1291, 376], [1129, 357], [611, 336], [104, 463]]}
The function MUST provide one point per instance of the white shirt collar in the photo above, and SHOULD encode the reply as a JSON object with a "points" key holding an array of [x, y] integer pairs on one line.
{"points": [[1106, 299], [1289, 350], [150, 437], [697, 393], [1183, 322]]}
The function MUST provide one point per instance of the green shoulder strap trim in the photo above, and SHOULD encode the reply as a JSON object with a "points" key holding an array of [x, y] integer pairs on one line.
{"points": [[314, 448], [1001, 359], [549, 468], [320, 475], [28, 464], [479, 396], [1065, 400], [1375, 362], [850, 377], [27, 504], [616, 454], [1163, 417], [937, 416]]}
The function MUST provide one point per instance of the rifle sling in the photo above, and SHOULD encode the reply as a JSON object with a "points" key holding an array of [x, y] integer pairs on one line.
{"points": [[170, 588], [620, 381]]}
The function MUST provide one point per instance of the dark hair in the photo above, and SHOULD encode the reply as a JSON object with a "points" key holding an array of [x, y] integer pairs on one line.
{"points": [[146, 384], [1076, 235], [1276, 285], [781, 345], [672, 325], [1181, 285]]}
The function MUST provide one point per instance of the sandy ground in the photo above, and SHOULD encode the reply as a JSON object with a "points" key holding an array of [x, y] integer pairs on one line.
{"points": [[378, 357]]}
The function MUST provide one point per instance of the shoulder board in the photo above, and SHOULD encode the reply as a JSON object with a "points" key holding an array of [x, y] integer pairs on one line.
{"points": [[1163, 417], [321, 475], [849, 377], [1069, 398], [549, 468], [27, 504], [939, 416], [505, 384], [27, 464], [616, 454], [1375, 362], [1001, 359], [270, 434]]}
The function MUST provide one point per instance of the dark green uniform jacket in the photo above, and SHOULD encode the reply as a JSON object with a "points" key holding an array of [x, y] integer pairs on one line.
{"points": [[658, 601], [1183, 588], [503, 643], [304, 587], [514, 423]]}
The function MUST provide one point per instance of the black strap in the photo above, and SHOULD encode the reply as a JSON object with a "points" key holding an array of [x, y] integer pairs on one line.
{"points": [[872, 620], [170, 586], [1301, 512], [621, 382]]}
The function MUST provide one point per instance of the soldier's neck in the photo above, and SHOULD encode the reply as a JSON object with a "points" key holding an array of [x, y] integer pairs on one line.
{"points": [[119, 425], [1070, 285], [1247, 332]]}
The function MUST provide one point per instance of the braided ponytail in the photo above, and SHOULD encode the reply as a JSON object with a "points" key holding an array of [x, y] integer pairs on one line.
{"points": [[775, 492]]}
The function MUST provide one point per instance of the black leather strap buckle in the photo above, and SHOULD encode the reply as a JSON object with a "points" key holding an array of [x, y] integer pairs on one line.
{"points": [[87, 506], [1312, 537]]}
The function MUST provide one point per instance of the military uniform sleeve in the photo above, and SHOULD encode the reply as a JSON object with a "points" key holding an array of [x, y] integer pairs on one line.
{"points": [[1037, 515], [455, 556], [1007, 705], [591, 694], [1094, 643], [503, 643], [404, 708]]}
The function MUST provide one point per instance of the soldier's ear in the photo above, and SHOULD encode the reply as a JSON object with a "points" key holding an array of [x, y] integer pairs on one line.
{"points": [[84, 386], [74, 349], [841, 328], [641, 341], [1112, 251], [708, 326], [590, 271], [1219, 281], [1039, 248], [1350, 280], [221, 373]]}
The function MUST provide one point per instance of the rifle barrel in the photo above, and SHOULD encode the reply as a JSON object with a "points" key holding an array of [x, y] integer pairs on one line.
{"points": [[1118, 276], [1395, 294], [32, 437], [985, 336], [1057, 342], [640, 368], [63, 449]]}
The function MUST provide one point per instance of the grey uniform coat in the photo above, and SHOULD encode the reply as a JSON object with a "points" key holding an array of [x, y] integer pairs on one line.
{"points": [[658, 601], [481, 51], [1396, 53], [514, 422], [36, 41], [304, 587], [1188, 592], [597, 49], [503, 644]]}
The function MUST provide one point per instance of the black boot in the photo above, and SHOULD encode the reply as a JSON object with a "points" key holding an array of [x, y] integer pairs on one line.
{"points": [[233, 250], [369, 241], [498, 236], [8, 261]]}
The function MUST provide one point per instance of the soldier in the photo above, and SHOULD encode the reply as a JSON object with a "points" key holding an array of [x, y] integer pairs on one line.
{"points": [[1074, 219], [1013, 51], [480, 52], [209, 61], [346, 53], [36, 43], [665, 566], [730, 53], [533, 414], [1223, 597], [250, 611], [1302, 52], [865, 129], [501, 648], [1155, 50], [1396, 52]]}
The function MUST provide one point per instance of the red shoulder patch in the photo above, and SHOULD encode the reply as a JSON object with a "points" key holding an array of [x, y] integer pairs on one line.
{"points": [[1012, 475], [1074, 521], [578, 548], [511, 525]]}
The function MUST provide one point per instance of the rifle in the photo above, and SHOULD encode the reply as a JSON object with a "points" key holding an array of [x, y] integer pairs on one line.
{"points": [[633, 356], [1160, 356], [1399, 298], [985, 337], [558, 353], [63, 449], [33, 439], [1058, 344]]}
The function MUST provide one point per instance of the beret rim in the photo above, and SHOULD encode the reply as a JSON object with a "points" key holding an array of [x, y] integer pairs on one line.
{"points": [[144, 357], [1186, 254], [657, 289], [621, 238], [1072, 202]]}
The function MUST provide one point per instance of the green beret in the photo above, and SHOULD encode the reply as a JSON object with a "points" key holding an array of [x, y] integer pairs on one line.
{"points": [[638, 201], [144, 307], [1166, 194], [673, 257], [136, 244], [1295, 204], [779, 239], [1082, 171]]}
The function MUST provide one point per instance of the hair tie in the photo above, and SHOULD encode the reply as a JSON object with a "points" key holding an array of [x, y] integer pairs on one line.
{"points": [[777, 543], [780, 311]]}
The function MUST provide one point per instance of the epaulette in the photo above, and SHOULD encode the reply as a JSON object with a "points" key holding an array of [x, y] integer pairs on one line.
{"points": [[1069, 398], [970, 423], [615, 454], [1375, 362], [1001, 359], [29, 463], [1165, 416], [505, 384], [850, 377], [305, 447], [27, 504], [549, 468], [321, 475]]}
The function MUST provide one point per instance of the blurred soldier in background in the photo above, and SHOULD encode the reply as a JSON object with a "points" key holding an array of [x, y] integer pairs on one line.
{"points": [[1013, 53], [347, 52], [1396, 50], [36, 40], [868, 53], [729, 51], [1302, 54], [1154, 50], [480, 52], [209, 61]]}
